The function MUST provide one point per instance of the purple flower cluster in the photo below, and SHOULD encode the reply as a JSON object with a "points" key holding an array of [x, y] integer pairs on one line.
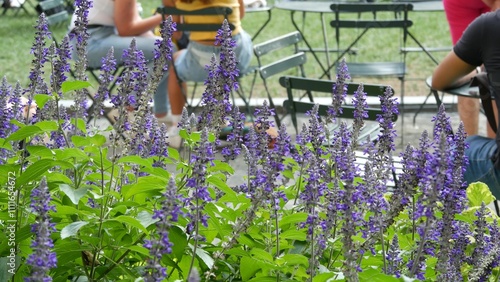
{"points": [[40, 53], [160, 244], [202, 157], [360, 113], [43, 258], [82, 36], [339, 91], [236, 137], [106, 77], [221, 81]]}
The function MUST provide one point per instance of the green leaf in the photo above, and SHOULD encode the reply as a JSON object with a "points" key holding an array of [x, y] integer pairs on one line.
{"points": [[79, 141], [41, 99], [34, 171], [262, 255], [47, 125], [68, 153], [68, 86], [293, 219], [146, 219], [131, 222], [376, 275], [5, 145], [72, 229], [177, 236], [145, 184], [222, 185], [73, 195], [293, 235], [477, 193], [222, 166], [323, 277], [24, 132], [264, 279], [139, 249], [173, 153], [248, 268], [98, 140], [40, 151], [295, 259], [205, 257]]}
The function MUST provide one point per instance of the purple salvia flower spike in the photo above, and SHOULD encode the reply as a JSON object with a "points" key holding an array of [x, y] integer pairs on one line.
{"points": [[60, 65], [7, 108], [106, 77], [43, 258], [144, 125], [81, 64], [82, 37], [40, 52], [236, 138], [442, 123], [159, 245], [393, 258], [203, 156], [194, 276], [389, 107], [221, 81], [360, 113], [339, 91]]}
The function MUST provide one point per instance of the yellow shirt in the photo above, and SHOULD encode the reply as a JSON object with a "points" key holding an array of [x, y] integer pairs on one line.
{"points": [[233, 18]]}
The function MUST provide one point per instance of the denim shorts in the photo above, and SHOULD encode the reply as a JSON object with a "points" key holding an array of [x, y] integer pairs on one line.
{"points": [[191, 63], [481, 167]]}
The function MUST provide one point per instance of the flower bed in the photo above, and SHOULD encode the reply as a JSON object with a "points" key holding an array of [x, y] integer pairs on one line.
{"points": [[78, 206]]}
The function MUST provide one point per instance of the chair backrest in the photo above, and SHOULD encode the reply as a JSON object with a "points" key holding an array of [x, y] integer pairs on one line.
{"points": [[362, 26], [294, 106], [211, 11], [280, 61], [55, 12], [276, 46]]}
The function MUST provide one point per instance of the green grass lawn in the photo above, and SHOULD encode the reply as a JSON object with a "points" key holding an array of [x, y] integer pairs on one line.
{"points": [[16, 33]]}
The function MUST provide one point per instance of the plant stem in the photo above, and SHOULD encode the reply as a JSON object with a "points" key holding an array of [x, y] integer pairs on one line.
{"points": [[111, 267], [299, 180], [381, 233], [420, 249], [101, 216], [196, 237]]}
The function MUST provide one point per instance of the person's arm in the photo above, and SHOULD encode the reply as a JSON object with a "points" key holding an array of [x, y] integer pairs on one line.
{"points": [[128, 22], [242, 9], [452, 72]]}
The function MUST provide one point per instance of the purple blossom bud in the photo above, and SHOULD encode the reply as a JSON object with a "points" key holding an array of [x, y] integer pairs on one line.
{"points": [[43, 258]]}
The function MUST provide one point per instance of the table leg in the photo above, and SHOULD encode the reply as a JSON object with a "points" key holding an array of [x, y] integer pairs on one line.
{"points": [[422, 47], [325, 41], [325, 71]]}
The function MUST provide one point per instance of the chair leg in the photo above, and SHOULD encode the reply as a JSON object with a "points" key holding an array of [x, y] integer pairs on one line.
{"points": [[421, 107]]}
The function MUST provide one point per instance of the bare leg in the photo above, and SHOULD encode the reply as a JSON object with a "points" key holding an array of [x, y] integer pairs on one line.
{"points": [[175, 92], [468, 110]]}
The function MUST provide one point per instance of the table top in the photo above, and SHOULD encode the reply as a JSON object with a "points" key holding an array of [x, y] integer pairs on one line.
{"points": [[463, 90], [324, 6]]}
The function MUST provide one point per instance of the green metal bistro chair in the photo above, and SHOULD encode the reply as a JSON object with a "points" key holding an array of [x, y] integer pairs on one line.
{"points": [[295, 106], [276, 49], [383, 17]]}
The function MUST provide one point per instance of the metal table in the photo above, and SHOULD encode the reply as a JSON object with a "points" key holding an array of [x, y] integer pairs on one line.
{"points": [[323, 7]]}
